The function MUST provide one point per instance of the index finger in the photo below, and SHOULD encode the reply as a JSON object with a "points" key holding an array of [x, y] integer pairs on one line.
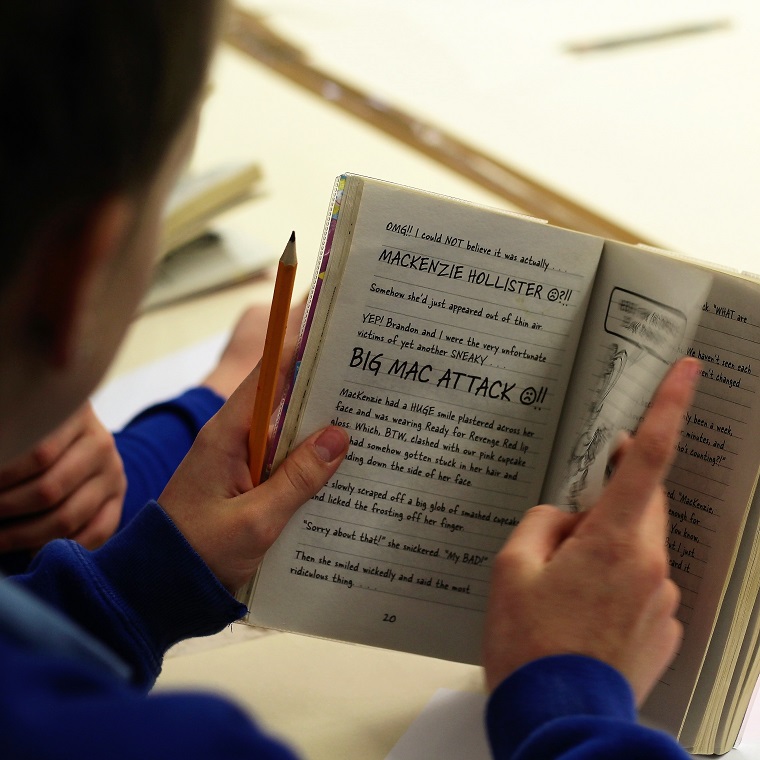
{"points": [[649, 456]]}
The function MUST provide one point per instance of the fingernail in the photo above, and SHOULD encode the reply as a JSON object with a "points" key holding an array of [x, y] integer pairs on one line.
{"points": [[330, 444], [690, 369]]}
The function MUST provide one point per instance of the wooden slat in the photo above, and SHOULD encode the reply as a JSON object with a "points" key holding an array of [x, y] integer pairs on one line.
{"points": [[249, 33]]}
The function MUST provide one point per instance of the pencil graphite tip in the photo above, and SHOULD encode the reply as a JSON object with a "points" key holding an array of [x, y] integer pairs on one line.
{"points": [[288, 257]]}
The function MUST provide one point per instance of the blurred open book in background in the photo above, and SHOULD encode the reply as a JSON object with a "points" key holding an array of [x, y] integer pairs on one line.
{"points": [[202, 248]]}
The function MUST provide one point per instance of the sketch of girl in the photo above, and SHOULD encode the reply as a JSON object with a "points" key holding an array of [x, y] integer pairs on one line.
{"points": [[595, 435]]}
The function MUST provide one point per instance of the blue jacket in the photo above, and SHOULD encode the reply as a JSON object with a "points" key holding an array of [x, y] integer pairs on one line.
{"points": [[83, 635]]}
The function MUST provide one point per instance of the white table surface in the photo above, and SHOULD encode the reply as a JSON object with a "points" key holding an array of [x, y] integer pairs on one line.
{"points": [[660, 137]]}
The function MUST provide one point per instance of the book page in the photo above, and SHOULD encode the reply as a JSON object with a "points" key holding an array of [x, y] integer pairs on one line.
{"points": [[644, 310], [713, 478], [723, 690], [446, 356]]}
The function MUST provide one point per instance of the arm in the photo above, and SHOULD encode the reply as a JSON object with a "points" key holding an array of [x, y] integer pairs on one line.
{"points": [[94, 718], [148, 587], [171, 574], [61, 694], [83, 483], [570, 706], [594, 589], [154, 443]]}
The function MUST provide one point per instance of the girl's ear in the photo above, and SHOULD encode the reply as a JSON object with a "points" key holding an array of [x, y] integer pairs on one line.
{"points": [[71, 257]]}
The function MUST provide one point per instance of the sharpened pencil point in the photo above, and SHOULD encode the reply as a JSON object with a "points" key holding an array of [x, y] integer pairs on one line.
{"points": [[288, 257]]}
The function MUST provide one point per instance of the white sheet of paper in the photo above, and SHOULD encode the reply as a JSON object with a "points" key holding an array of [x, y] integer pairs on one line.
{"points": [[449, 728], [126, 395]]}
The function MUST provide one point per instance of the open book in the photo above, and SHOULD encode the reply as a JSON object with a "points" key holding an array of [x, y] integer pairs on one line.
{"points": [[200, 197], [485, 362], [200, 253]]}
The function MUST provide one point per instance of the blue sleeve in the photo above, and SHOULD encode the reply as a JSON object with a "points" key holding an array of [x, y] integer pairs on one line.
{"points": [[153, 444], [574, 708], [143, 590], [52, 709]]}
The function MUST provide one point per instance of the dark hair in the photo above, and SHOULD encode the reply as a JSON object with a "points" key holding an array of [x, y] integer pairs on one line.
{"points": [[93, 93]]}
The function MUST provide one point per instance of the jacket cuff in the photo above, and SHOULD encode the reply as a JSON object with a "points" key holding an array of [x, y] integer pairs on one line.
{"points": [[143, 591], [551, 688]]}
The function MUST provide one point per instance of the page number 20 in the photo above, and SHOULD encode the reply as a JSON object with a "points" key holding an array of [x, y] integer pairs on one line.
{"points": [[388, 618]]}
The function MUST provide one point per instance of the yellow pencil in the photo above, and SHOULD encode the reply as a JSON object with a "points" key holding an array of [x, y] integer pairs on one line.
{"points": [[270, 360]]}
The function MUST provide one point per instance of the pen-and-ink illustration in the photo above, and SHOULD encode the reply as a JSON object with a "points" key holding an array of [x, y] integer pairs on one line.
{"points": [[595, 434], [647, 333]]}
